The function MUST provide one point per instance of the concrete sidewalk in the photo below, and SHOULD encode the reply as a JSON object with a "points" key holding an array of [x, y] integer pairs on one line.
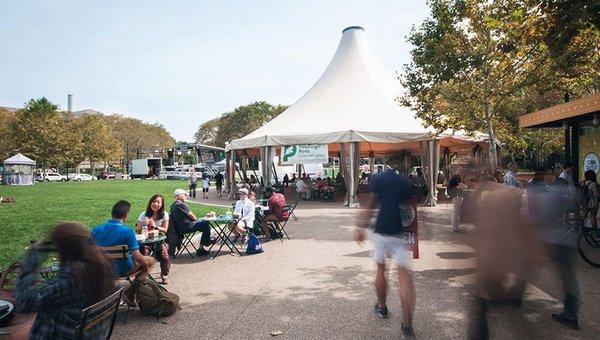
{"points": [[319, 285]]}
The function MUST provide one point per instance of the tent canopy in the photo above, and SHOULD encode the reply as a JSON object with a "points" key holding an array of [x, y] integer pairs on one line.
{"points": [[353, 101], [19, 159]]}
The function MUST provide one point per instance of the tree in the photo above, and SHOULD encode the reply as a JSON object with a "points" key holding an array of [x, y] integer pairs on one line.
{"points": [[7, 142], [41, 132], [137, 137], [207, 132], [475, 63], [245, 119], [98, 142]]}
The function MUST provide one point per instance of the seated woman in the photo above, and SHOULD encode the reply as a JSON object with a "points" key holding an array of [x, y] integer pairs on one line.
{"points": [[85, 277], [155, 217], [244, 209]]}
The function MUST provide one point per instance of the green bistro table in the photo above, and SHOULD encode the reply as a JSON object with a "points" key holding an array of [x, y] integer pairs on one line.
{"points": [[150, 241], [219, 223]]}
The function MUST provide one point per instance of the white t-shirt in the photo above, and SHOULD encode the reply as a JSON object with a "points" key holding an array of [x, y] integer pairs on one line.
{"points": [[163, 223], [567, 177], [300, 185], [205, 183], [246, 210]]}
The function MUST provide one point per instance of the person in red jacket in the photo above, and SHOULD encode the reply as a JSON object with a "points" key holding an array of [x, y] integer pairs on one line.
{"points": [[277, 210]]}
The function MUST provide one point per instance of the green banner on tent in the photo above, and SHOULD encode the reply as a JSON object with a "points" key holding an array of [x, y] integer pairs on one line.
{"points": [[304, 154]]}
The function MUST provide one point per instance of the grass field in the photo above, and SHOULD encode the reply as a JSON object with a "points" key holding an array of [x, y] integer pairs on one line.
{"points": [[41, 206]]}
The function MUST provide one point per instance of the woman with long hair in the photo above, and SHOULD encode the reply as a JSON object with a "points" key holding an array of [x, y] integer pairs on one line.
{"points": [[85, 277], [155, 217]]}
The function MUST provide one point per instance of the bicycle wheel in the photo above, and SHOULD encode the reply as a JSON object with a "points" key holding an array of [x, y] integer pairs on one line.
{"points": [[589, 247]]}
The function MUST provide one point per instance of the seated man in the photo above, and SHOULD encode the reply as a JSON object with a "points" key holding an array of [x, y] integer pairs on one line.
{"points": [[184, 221], [277, 211], [321, 184], [244, 210], [302, 189], [115, 233]]}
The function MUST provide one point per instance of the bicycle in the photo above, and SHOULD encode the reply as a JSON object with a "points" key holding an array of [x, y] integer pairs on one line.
{"points": [[588, 241]]}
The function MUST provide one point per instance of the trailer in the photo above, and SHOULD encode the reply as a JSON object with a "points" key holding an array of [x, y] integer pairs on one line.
{"points": [[146, 168]]}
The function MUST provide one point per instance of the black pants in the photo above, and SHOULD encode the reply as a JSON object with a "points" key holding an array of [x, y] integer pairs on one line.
{"points": [[193, 190], [204, 227]]}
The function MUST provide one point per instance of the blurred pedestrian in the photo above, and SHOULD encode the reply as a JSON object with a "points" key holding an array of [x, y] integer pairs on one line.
{"points": [[510, 178], [85, 277], [506, 249], [544, 202], [389, 191], [455, 185]]}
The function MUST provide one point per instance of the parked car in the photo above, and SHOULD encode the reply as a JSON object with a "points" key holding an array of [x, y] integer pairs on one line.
{"points": [[80, 177], [106, 175], [51, 177]]}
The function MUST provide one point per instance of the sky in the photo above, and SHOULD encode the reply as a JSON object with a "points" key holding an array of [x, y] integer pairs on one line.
{"points": [[181, 63]]}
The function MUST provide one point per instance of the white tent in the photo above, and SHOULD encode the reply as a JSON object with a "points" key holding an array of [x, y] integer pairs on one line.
{"points": [[18, 170], [353, 108]]}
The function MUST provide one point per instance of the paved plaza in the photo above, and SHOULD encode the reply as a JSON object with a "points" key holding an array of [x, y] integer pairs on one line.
{"points": [[318, 285]]}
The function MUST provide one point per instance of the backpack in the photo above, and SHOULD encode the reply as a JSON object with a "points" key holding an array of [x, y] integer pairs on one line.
{"points": [[254, 246], [154, 299]]}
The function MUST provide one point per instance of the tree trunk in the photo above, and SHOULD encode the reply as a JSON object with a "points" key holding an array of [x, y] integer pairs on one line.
{"points": [[493, 159]]}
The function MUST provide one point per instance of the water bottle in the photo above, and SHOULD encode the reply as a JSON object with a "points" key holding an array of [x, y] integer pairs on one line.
{"points": [[145, 231]]}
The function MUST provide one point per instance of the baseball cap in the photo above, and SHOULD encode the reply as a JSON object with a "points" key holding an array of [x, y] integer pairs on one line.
{"points": [[243, 191], [179, 192]]}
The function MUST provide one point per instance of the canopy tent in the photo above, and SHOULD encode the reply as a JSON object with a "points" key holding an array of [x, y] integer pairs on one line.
{"points": [[353, 109], [18, 170]]}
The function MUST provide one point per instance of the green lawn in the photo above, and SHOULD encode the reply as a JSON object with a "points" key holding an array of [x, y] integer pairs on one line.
{"points": [[41, 206]]}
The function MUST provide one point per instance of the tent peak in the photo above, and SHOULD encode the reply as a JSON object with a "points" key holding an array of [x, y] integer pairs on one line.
{"points": [[353, 28]]}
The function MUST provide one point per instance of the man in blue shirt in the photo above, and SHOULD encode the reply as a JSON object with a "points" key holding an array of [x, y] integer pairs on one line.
{"points": [[114, 233], [389, 192]]}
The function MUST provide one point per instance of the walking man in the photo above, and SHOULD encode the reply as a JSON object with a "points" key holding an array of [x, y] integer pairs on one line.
{"points": [[455, 185], [219, 183], [192, 180], [388, 192]]}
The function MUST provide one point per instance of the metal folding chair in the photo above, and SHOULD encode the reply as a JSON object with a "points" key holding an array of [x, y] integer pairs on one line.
{"points": [[121, 252], [98, 315], [186, 241], [291, 208]]}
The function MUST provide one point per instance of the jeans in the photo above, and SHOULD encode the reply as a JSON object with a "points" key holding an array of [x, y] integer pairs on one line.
{"points": [[563, 257], [193, 190]]}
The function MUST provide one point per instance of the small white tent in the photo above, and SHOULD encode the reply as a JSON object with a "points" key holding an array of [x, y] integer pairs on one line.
{"points": [[18, 170], [353, 109]]}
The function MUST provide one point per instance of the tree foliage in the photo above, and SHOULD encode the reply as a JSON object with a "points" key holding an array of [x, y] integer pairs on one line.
{"points": [[53, 137], [237, 123], [207, 132], [477, 66], [7, 145], [137, 137]]}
